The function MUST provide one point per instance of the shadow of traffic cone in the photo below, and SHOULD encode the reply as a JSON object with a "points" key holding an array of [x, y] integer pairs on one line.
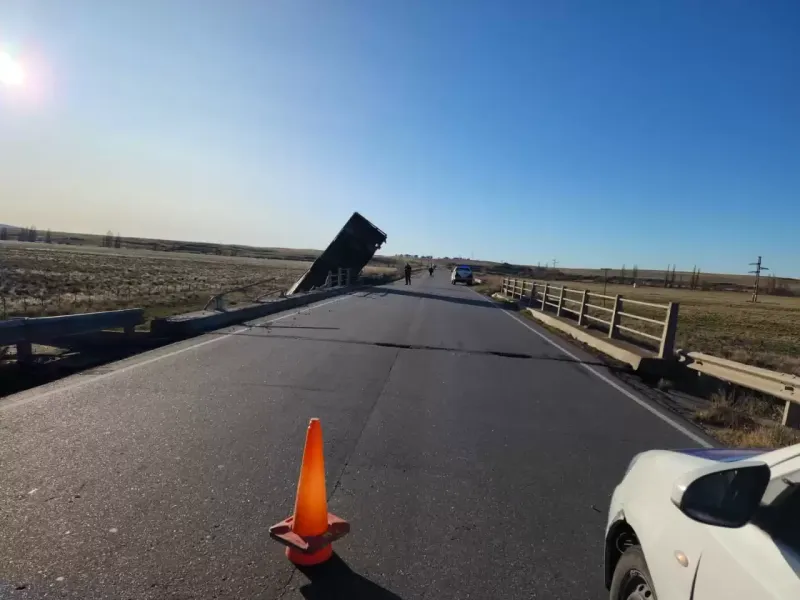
{"points": [[309, 532]]}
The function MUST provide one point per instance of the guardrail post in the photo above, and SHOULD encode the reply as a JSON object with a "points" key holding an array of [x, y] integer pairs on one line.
{"points": [[24, 352], [544, 296], [533, 294], [791, 415], [347, 278], [560, 300], [667, 349], [582, 313], [612, 329]]}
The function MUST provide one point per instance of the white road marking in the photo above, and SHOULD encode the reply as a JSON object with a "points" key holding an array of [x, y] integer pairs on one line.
{"points": [[10, 402], [627, 393]]}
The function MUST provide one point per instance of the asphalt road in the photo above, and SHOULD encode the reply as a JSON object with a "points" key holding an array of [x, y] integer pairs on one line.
{"points": [[473, 459]]}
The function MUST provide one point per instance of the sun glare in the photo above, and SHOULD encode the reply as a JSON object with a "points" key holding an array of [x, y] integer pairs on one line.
{"points": [[11, 72]]}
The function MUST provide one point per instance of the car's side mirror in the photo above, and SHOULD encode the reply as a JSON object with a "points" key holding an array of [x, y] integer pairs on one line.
{"points": [[724, 495]]}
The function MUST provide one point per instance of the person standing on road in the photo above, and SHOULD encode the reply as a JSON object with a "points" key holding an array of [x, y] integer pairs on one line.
{"points": [[408, 274]]}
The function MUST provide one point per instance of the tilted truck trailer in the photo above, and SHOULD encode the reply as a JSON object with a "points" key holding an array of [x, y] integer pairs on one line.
{"points": [[352, 248]]}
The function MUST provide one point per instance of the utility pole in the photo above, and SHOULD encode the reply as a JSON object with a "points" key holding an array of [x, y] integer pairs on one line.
{"points": [[605, 279], [759, 267], [694, 282], [554, 263]]}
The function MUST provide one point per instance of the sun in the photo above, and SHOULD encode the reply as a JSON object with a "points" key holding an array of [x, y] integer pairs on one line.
{"points": [[11, 72]]}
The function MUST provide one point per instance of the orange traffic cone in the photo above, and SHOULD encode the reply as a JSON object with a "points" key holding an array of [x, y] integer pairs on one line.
{"points": [[309, 532]]}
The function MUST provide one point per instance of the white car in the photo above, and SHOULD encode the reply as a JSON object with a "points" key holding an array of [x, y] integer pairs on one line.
{"points": [[709, 524], [463, 274]]}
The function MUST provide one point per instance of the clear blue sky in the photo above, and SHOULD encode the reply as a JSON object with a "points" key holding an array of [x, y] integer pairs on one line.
{"points": [[597, 133]]}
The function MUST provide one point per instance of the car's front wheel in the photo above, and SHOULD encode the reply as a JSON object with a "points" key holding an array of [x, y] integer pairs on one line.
{"points": [[632, 579]]}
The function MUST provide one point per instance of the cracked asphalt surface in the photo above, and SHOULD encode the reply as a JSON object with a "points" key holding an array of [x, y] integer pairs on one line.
{"points": [[472, 458]]}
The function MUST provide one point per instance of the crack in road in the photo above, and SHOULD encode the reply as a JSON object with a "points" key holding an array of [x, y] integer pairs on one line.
{"points": [[371, 411], [287, 587], [459, 350], [398, 346]]}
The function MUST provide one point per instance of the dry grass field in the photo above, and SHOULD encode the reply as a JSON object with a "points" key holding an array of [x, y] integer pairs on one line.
{"points": [[49, 279], [707, 281], [89, 241], [745, 421]]}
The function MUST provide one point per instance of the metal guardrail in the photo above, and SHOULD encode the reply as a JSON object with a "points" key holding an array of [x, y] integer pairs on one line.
{"points": [[774, 383], [23, 332], [585, 306]]}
